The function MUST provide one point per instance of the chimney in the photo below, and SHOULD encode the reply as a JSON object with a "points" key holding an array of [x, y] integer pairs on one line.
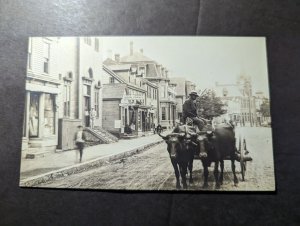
{"points": [[142, 51], [117, 58], [131, 48]]}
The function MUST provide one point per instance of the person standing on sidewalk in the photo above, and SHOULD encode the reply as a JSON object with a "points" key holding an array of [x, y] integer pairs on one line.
{"points": [[79, 140]]}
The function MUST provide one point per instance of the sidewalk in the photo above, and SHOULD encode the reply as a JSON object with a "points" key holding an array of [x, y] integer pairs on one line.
{"points": [[69, 160]]}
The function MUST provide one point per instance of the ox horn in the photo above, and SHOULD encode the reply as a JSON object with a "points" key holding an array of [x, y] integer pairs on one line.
{"points": [[159, 134]]}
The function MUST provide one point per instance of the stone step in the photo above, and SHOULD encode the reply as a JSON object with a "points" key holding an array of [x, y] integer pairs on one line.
{"points": [[32, 153]]}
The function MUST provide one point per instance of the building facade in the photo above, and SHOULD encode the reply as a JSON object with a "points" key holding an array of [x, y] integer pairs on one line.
{"points": [[239, 101], [126, 106], [63, 86], [137, 66]]}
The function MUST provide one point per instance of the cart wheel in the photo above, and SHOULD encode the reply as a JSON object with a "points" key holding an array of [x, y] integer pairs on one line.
{"points": [[242, 163]]}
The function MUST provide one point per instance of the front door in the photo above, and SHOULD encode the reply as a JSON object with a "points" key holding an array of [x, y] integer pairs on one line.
{"points": [[87, 109], [143, 121]]}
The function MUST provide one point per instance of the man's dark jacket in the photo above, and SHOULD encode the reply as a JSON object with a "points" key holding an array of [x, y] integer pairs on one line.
{"points": [[189, 109]]}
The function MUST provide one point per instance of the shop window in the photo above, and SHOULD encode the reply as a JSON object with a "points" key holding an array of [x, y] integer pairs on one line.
{"points": [[34, 115], [49, 115]]}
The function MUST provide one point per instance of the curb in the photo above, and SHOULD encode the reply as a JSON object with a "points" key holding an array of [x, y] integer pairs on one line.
{"points": [[81, 167]]}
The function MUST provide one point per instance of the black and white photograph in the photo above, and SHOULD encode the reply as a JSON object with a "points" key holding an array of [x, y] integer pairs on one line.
{"points": [[153, 113]]}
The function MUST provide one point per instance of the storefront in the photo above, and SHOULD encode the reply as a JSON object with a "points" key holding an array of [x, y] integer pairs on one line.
{"points": [[40, 119]]}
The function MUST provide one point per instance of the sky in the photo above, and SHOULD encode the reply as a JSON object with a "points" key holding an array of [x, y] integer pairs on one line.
{"points": [[202, 60]]}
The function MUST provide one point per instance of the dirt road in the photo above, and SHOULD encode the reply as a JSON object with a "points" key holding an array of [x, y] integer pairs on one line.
{"points": [[152, 170]]}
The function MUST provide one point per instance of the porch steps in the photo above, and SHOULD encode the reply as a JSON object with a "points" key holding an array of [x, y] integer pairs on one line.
{"points": [[103, 135], [32, 153]]}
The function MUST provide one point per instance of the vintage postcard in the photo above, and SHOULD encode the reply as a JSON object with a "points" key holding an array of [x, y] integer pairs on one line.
{"points": [[147, 113]]}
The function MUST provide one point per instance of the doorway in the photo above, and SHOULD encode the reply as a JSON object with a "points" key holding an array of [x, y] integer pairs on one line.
{"points": [[87, 109]]}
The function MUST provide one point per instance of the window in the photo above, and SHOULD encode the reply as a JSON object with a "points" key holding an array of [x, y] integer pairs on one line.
{"points": [[111, 80], [97, 102], [67, 90], [163, 113], [163, 94], [46, 55], [87, 40], [142, 71], [97, 44], [91, 73], [86, 90], [29, 63], [49, 115]]}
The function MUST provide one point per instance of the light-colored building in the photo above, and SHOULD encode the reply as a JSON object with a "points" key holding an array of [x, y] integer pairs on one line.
{"points": [[259, 100], [63, 84], [239, 101], [124, 105], [137, 66]]}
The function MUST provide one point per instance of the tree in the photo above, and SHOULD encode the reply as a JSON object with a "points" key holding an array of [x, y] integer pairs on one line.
{"points": [[265, 108], [209, 106]]}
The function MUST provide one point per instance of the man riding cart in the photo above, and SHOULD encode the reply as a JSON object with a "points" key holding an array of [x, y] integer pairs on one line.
{"points": [[190, 111], [190, 114]]}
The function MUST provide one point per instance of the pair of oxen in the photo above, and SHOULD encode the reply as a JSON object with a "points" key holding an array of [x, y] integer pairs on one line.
{"points": [[184, 144]]}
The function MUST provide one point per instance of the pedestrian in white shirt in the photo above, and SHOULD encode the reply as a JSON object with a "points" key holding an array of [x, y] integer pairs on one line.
{"points": [[79, 140]]}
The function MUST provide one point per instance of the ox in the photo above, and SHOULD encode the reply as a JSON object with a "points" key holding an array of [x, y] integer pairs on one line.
{"points": [[219, 146], [181, 155]]}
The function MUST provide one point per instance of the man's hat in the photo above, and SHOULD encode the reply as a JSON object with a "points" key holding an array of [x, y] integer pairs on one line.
{"points": [[194, 93]]}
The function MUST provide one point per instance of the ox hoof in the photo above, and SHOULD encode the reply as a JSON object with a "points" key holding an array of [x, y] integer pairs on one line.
{"points": [[218, 186], [185, 186], [236, 181], [205, 185], [178, 186]]}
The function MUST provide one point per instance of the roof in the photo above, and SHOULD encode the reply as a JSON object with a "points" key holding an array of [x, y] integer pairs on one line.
{"points": [[151, 71], [109, 61], [180, 88], [149, 83], [113, 90], [121, 79], [110, 72], [120, 67], [136, 57]]}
